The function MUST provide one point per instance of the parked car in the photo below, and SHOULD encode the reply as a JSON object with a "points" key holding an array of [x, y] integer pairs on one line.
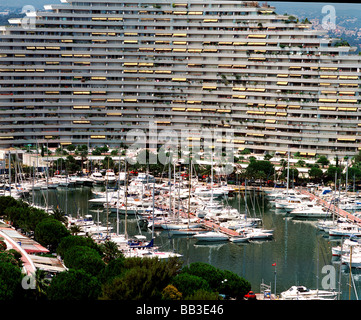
{"points": [[250, 296]]}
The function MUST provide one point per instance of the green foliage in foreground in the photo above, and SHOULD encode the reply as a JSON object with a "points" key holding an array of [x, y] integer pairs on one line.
{"points": [[101, 271]]}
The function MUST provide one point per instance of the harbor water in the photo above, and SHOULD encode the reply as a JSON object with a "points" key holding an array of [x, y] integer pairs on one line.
{"points": [[298, 254]]}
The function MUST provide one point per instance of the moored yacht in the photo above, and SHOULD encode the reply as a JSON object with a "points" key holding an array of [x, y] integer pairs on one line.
{"points": [[311, 210], [345, 229], [211, 236], [303, 293], [97, 177], [110, 176]]}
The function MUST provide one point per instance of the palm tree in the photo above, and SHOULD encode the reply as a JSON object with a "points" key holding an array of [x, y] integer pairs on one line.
{"points": [[41, 284], [110, 251], [60, 215], [74, 230]]}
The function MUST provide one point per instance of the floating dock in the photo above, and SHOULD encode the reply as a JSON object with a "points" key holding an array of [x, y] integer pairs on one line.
{"points": [[332, 207]]}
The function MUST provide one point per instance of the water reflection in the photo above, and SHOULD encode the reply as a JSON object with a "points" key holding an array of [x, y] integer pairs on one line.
{"points": [[299, 250]]}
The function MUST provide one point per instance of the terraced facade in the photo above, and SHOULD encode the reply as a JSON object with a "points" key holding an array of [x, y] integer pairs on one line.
{"points": [[90, 70]]}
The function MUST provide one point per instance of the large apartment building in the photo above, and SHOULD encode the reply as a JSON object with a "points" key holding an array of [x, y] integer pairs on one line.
{"points": [[88, 71]]}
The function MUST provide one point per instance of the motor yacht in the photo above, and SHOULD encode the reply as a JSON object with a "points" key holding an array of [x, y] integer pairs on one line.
{"points": [[311, 210], [303, 293], [97, 177], [211, 236]]}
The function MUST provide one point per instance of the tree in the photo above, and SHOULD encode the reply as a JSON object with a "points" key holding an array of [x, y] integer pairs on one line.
{"points": [[10, 280], [41, 286], [70, 147], [3, 245], [354, 172], [301, 163], [115, 268], [293, 174], [323, 160], [96, 152], [70, 241], [202, 294], [233, 285], [171, 293], [136, 284], [107, 162], [82, 257], [74, 230], [143, 279], [110, 251], [12, 256], [7, 201], [74, 285], [59, 215], [259, 169], [71, 164], [188, 284], [331, 172], [49, 233], [357, 158], [82, 151], [268, 157], [315, 173], [211, 274], [222, 281]]}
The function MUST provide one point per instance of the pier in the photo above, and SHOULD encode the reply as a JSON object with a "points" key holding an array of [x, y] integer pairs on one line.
{"points": [[332, 207], [215, 227], [209, 225]]}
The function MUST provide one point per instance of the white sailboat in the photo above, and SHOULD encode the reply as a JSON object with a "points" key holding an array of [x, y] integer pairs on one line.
{"points": [[241, 238], [211, 236], [345, 247]]}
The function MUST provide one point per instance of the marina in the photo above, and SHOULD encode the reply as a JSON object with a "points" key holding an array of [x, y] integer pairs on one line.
{"points": [[255, 236]]}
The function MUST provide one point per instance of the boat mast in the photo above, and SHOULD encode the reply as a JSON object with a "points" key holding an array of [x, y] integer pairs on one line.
{"points": [[211, 176], [106, 199], [33, 193], [10, 173], [118, 197], [179, 187], [190, 185], [170, 184], [288, 170], [153, 213], [350, 276], [126, 199], [340, 273], [334, 199], [245, 197], [47, 176]]}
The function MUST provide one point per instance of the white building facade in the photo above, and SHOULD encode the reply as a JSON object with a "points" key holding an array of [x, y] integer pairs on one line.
{"points": [[88, 71]]}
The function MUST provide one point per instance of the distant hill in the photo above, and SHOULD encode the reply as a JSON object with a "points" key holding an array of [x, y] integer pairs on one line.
{"points": [[292, 7], [38, 4], [314, 9]]}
